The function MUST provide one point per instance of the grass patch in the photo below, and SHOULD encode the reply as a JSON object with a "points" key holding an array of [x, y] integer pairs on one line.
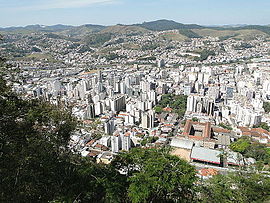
{"points": [[173, 36], [39, 57]]}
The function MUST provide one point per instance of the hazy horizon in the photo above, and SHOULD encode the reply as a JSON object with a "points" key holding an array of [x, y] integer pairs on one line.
{"points": [[75, 25], [111, 12]]}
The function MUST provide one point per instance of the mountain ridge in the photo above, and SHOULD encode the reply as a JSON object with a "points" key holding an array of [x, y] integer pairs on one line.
{"points": [[169, 23], [187, 30]]}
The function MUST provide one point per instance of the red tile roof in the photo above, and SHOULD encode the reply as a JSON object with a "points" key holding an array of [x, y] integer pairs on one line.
{"points": [[220, 130], [208, 172], [167, 109]]}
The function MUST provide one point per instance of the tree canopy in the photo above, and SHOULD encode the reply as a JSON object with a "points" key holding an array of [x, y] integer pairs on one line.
{"points": [[249, 148], [266, 106], [36, 164], [263, 125], [236, 187], [177, 102], [156, 176]]}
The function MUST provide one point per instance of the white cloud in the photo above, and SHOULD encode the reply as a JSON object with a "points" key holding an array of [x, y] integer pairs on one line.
{"points": [[58, 4]]}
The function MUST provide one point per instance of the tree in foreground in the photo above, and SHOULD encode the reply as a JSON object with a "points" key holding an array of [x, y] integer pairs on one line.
{"points": [[36, 164], [236, 187], [156, 176], [248, 148]]}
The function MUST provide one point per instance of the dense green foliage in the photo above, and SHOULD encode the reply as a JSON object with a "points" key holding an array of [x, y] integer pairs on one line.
{"points": [[236, 188], [12, 50], [194, 119], [246, 147], [241, 145], [189, 33], [156, 176], [177, 102], [228, 127], [35, 49], [148, 58], [112, 56], [85, 48], [36, 165], [97, 39], [161, 25], [146, 140], [266, 106], [204, 54], [158, 109], [263, 125]]}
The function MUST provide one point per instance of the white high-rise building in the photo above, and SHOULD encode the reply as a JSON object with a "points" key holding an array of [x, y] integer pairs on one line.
{"points": [[187, 89], [126, 142], [142, 105], [191, 103], [116, 143], [151, 118], [109, 127], [152, 95], [105, 140], [118, 103], [145, 120], [90, 111], [148, 119], [122, 88], [201, 78], [99, 108]]}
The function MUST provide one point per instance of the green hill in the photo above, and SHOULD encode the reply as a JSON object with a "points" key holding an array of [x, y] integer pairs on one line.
{"points": [[265, 29], [173, 36], [244, 34], [124, 29], [83, 30], [161, 25]]}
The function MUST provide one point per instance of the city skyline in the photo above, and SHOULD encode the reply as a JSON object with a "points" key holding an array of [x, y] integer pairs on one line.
{"points": [[111, 12]]}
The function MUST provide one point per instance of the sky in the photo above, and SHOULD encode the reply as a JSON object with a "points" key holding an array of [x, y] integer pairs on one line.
{"points": [[111, 12]]}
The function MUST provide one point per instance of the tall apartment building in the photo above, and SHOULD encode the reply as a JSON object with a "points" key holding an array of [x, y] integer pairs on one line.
{"points": [[148, 119]]}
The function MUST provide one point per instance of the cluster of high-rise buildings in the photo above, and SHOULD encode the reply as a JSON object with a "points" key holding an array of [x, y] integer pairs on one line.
{"points": [[121, 101]]}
